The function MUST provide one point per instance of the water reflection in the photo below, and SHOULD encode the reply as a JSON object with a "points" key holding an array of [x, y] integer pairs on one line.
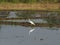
{"points": [[31, 31], [53, 28], [19, 35]]}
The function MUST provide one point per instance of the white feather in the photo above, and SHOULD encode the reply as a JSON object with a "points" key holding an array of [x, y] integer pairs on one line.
{"points": [[31, 22]]}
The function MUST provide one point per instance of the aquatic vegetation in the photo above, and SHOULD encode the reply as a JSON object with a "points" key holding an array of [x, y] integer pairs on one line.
{"points": [[26, 14], [53, 19], [4, 14]]}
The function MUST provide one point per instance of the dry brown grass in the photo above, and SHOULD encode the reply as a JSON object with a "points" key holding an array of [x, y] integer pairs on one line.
{"points": [[35, 6]]}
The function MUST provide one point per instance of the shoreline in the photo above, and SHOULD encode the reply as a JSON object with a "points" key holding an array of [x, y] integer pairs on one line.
{"points": [[26, 24]]}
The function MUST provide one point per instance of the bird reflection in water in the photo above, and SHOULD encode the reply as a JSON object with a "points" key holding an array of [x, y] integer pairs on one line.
{"points": [[31, 31], [31, 22]]}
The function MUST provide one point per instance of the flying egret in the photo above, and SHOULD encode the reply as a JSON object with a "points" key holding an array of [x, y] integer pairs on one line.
{"points": [[31, 22]]}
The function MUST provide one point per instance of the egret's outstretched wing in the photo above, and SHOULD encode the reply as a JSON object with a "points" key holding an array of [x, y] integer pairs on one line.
{"points": [[31, 22], [31, 31]]}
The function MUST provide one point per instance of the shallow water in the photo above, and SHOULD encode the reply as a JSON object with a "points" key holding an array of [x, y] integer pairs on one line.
{"points": [[19, 35]]}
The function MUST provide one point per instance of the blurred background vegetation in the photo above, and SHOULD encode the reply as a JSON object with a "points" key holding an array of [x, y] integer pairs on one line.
{"points": [[30, 1]]}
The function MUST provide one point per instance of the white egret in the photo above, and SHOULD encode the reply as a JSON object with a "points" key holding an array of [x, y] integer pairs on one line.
{"points": [[31, 22]]}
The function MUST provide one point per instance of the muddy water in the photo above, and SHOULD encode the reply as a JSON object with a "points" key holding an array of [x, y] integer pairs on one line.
{"points": [[19, 35]]}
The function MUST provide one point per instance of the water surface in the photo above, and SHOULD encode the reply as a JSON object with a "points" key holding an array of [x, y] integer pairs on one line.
{"points": [[19, 35]]}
